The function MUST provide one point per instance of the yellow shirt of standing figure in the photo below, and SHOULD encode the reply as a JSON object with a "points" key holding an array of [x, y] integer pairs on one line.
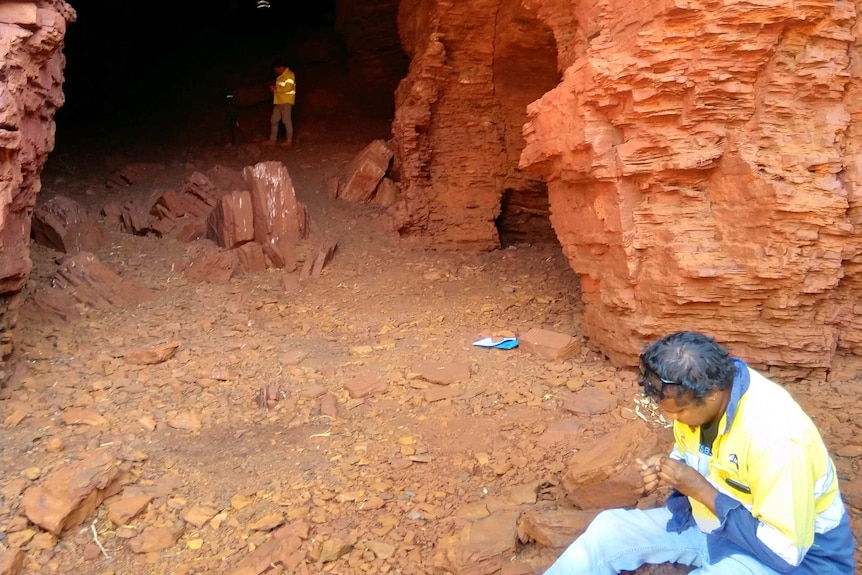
{"points": [[285, 88]]}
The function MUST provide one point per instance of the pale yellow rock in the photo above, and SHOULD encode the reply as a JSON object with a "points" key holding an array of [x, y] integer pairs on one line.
{"points": [[32, 473], [240, 501], [267, 523]]}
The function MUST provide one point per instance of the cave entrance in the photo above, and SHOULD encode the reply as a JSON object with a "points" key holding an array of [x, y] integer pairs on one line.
{"points": [[201, 76], [525, 218], [525, 68]]}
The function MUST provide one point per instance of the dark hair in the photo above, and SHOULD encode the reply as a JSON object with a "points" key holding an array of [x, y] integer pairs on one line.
{"points": [[694, 362]]}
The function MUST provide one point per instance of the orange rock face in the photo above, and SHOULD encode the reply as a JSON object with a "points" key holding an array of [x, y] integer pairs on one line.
{"points": [[701, 175], [700, 162], [31, 41], [459, 112]]}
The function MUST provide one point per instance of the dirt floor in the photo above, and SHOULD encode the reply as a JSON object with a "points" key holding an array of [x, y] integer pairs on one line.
{"points": [[378, 481]]}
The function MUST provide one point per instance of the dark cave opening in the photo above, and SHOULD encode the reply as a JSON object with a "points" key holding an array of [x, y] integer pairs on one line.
{"points": [[525, 68], [161, 72]]}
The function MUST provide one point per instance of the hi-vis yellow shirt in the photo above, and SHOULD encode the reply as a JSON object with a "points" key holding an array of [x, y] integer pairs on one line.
{"points": [[285, 88], [769, 457]]}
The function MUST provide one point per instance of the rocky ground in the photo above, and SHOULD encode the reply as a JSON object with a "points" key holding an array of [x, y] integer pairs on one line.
{"points": [[339, 424]]}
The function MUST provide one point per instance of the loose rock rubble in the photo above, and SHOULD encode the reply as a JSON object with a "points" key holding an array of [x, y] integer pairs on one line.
{"points": [[266, 425]]}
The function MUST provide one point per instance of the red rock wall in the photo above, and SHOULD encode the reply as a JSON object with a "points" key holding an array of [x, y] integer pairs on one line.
{"points": [[703, 172], [701, 159], [31, 65], [475, 65]]}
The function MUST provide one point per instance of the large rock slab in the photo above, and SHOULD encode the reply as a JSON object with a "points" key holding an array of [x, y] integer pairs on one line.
{"points": [[684, 197], [71, 493], [362, 175], [90, 282], [277, 213], [553, 528], [63, 224], [230, 223], [482, 546], [604, 473]]}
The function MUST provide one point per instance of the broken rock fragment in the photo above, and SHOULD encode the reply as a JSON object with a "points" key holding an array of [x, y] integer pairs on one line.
{"points": [[199, 195], [125, 508], [64, 225], [604, 475], [11, 561], [549, 344], [443, 373], [362, 175], [152, 356], [553, 528], [284, 546], [230, 223], [313, 266], [482, 546], [68, 496], [91, 283], [276, 212], [157, 538], [212, 265], [365, 386]]}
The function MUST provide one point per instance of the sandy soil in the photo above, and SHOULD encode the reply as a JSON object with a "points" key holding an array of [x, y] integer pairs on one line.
{"points": [[393, 469]]}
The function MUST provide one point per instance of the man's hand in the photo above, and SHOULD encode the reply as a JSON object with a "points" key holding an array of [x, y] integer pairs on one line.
{"points": [[650, 472], [686, 480]]}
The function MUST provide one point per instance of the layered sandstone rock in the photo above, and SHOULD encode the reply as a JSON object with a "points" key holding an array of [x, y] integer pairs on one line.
{"points": [[700, 159], [31, 64], [457, 131], [701, 175]]}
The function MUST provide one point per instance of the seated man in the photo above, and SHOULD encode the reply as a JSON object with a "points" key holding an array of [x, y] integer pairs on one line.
{"points": [[754, 489]]}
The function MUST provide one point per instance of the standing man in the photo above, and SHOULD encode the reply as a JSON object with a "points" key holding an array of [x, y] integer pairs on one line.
{"points": [[283, 98], [754, 489]]}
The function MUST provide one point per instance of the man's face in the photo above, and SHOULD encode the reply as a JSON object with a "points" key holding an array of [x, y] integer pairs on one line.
{"points": [[684, 409]]}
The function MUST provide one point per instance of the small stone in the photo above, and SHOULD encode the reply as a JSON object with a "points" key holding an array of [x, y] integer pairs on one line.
{"points": [[187, 420], [74, 416], [124, 509], [32, 473], [240, 501], [156, 538], [333, 549], [20, 538], [147, 423], [380, 549], [199, 515], [267, 523], [195, 544], [43, 540], [54, 445], [91, 551]]}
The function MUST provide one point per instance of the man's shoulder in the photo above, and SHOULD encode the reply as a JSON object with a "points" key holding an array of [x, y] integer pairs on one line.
{"points": [[769, 408]]}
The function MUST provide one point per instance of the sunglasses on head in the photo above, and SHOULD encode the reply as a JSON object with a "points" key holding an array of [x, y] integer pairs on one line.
{"points": [[653, 384]]}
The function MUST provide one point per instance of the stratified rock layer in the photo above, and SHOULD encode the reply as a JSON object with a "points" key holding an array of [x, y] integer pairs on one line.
{"points": [[700, 174], [457, 131], [700, 158], [31, 64]]}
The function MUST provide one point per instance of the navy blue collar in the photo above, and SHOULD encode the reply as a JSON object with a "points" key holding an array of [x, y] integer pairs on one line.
{"points": [[741, 382]]}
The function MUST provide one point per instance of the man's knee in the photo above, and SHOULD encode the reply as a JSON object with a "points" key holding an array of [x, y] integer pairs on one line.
{"points": [[608, 521]]}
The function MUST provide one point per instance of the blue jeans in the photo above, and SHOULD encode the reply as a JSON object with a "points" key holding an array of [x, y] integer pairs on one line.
{"points": [[624, 539]]}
